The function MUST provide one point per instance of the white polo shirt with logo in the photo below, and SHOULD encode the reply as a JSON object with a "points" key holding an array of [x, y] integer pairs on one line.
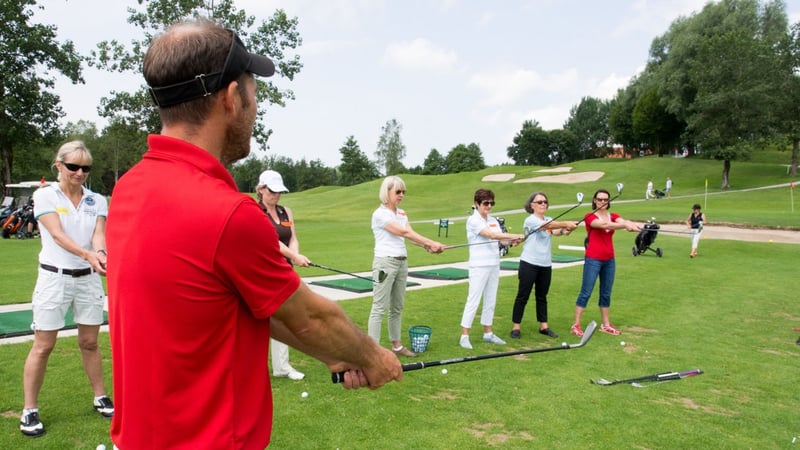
{"points": [[78, 223]]}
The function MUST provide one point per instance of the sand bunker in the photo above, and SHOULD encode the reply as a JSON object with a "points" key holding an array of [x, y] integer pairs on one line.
{"points": [[579, 177], [498, 177]]}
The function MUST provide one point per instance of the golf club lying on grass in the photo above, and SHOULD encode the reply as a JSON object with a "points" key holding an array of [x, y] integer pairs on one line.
{"points": [[381, 274], [587, 334], [619, 192], [659, 377], [578, 196]]}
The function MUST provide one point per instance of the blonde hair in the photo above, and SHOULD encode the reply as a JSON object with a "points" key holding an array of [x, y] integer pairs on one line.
{"points": [[390, 183]]}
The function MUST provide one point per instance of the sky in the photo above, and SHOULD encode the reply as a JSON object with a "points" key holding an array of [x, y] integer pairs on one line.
{"points": [[449, 71]]}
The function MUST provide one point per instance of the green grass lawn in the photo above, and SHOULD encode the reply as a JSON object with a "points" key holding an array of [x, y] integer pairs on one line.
{"points": [[730, 312]]}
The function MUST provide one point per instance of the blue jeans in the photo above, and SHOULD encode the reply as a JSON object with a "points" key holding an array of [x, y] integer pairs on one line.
{"points": [[592, 269]]}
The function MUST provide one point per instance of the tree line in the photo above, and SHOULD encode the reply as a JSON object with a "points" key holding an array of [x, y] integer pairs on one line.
{"points": [[720, 83]]}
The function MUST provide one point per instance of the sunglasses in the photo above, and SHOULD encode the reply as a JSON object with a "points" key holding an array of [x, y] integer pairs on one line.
{"points": [[74, 167], [541, 202], [400, 191], [487, 203], [601, 199]]}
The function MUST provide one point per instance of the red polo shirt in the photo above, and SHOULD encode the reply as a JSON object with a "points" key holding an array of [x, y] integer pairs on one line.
{"points": [[192, 281], [601, 242]]}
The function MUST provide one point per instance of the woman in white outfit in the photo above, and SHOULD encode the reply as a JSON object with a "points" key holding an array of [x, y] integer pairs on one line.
{"points": [[483, 234]]}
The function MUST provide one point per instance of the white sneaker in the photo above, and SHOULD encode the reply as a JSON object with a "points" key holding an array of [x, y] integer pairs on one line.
{"points": [[292, 374], [493, 339], [464, 342]]}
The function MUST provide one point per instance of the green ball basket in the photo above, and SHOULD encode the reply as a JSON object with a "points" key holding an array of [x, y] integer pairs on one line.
{"points": [[419, 335]]}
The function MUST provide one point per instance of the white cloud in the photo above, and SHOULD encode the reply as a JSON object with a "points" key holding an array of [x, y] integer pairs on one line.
{"points": [[419, 54], [649, 15], [505, 87]]}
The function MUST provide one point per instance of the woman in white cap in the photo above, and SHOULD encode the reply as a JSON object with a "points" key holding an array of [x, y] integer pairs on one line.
{"points": [[268, 193]]}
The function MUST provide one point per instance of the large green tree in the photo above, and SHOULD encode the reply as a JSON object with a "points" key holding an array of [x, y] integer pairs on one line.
{"points": [[719, 72], [356, 167], [276, 36], [434, 163], [530, 146], [391, 150], [31, 56], [588, 121], [464, 158], [654, 124]]}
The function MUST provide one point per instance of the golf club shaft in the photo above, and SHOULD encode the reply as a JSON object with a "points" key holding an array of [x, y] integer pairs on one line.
{"points": [[598, 208], [551, 220], [339, 377], [341, 271]]}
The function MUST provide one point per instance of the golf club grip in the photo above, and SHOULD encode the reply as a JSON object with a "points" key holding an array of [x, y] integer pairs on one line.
{"points": [[338, 377]]}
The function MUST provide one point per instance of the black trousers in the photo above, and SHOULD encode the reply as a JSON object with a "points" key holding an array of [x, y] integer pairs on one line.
{"points": [[529, 276]]}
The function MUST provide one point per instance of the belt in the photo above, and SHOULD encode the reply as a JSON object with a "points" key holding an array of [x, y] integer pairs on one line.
{"points": [[75, 273], [399, 258]]}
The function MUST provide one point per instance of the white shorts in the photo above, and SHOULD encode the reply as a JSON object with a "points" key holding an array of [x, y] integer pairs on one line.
{"points": [[55, 293]]}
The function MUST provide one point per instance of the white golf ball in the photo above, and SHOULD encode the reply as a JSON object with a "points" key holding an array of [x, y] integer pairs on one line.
{"points": [[444, 370], [101, 447], [304, 394], [622, 343]]}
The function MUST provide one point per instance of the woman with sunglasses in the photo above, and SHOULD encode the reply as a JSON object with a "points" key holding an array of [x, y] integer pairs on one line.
{"points": [[268, 194], [536, 261], [483, 235], [72, 224], [391, 228], [599, 259]]}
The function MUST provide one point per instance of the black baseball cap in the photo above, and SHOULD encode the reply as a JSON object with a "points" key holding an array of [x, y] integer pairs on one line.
{"points": [[239, 61]]}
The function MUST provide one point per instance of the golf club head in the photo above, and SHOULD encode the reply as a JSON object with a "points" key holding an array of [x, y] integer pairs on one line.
{"points": [[587, 334], [619, 188], [602, 382], [579, 197]]}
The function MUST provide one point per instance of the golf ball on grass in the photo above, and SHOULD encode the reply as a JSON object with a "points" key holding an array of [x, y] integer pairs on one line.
{"points": [[304, 394], [101, 447], [444, 370], [622, 343]]}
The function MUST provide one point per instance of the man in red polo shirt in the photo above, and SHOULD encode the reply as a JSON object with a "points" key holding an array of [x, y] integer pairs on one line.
{"points": [[195, 286]]}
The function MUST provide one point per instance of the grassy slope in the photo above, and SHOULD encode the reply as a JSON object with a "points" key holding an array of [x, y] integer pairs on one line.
{"points": [[728, 312]]}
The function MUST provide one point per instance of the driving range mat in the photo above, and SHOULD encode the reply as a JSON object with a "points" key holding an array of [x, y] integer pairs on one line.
{"points": [[352, 284], [18, 323], [445, 273], [514, 265]]}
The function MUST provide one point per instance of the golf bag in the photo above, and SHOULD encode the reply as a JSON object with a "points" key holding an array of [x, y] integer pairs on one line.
{"points": [[659, 194], [502, 248], [645, 239]]}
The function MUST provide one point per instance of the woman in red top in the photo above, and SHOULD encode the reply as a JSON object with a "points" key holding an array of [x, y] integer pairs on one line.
{"points": [[599, 260]]}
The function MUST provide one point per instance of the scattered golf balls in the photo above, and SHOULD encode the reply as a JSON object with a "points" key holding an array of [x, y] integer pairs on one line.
{"points": [[444, 370], [304, 394], [622, 343]]}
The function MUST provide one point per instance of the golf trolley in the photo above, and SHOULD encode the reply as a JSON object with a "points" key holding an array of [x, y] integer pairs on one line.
{"points": [[645, 239]]}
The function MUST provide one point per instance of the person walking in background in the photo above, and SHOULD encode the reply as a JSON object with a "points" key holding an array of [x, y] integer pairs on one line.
{"points": [[648, 193], [536, 261], [483, 233], [193, 303], [695, 222], [73, 256], [668, 187], [599, 261], [268, 193], [391, 228]]}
